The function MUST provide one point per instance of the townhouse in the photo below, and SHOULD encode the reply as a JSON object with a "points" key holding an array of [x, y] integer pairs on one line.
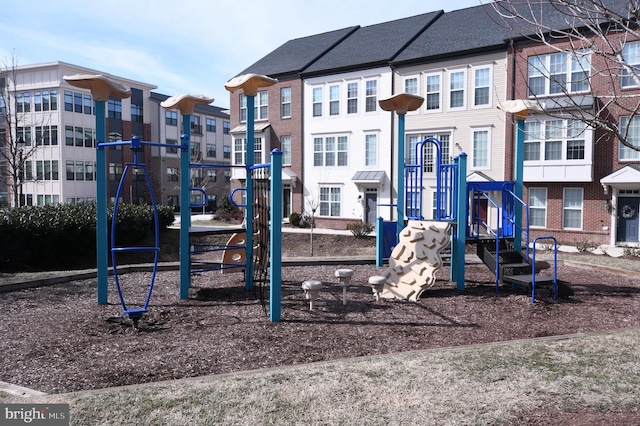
{"points": [[278, 113], [462, 77], [580, 181], [347, 136], [582, 184]]}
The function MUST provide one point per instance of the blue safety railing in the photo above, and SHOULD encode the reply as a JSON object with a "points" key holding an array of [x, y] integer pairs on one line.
{"points": [[446, 176], [479, 222], [511, 202]]}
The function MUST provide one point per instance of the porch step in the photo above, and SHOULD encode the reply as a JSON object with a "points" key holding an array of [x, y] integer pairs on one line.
{"points": [[526, 279]]}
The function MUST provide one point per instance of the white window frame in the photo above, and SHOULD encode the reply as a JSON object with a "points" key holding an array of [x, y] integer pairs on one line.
{"points": [[243, 108], [261, 107], [631, 56], [328, 201], [331, 151], [538, 203], [462, 89], [633, 136], [412, 85], [566, 208], [573, 63], [371, 149], [285, 102], [371, 95], [334, 99], [316, 101], [429, 162], [285, 145], [474, 156], [485, 86], [239, 151], [432, 92], [353, 87], [543, 132]]}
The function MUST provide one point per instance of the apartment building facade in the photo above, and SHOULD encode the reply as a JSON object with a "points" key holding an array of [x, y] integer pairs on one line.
{"points": [[56, 130], [55, 125], [210, 145]]}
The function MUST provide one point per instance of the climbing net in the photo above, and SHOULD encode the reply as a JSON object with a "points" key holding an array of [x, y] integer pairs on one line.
{"points": [[261, 179]]}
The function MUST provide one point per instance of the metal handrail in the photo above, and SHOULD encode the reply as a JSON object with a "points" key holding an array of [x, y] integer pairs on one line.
{"points": [[509, 217]]}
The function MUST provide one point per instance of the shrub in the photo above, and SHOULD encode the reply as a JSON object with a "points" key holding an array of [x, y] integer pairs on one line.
{"points": [[360, 229], [294, 219], [225, 205], [58, 236], [585, 246]]}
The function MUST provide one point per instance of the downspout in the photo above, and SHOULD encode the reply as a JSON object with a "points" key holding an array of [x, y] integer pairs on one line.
{"points": [[513, 96]]}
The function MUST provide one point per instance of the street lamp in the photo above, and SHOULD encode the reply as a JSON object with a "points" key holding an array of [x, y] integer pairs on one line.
{"points": [[520, 109], [250, 84], [401, 104], [20, 144], [101, 88], [186, 104]]}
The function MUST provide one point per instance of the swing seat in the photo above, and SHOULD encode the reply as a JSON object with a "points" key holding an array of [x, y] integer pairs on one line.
{"points": [[135, 313]]}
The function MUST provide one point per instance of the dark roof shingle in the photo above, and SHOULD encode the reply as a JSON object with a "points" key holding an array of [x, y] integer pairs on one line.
{"points": [[295, 55], [373, 45]]}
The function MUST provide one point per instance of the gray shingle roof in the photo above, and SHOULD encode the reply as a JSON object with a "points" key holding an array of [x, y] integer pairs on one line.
{"points": [[471, 29], [295, 55], [373, 45]]}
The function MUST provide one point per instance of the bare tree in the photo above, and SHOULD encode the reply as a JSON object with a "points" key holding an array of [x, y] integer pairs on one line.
{"points": [[593, 38], [313, 203], [15, 145]]}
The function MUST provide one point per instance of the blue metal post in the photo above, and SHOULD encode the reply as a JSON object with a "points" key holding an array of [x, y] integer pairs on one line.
{"points": [[185, 210], [102, 233], [379, 241], [250, 158], [275, 237], [519, 178], [460, 241], [401, 194]]}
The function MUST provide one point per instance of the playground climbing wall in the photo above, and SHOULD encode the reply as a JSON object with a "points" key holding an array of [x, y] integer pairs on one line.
{"points": [[415, 259]]}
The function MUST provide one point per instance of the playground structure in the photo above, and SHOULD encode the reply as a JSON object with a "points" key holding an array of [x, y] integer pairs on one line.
{"points": [[412, 270], [475, 214], [264, 225]]}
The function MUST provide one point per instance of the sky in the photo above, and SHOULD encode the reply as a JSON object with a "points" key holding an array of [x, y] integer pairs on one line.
{"points": [[182, 46]]}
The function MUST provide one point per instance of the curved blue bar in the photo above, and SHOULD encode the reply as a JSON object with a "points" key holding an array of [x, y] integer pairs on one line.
{"points": [[136, 312]]}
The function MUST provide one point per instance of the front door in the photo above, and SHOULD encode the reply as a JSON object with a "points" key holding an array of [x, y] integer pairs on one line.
{"points": [[628, 219], [286, 201], [371, 207]]}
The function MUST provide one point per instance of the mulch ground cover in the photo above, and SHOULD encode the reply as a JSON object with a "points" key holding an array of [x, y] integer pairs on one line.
{"points": [[58, 339]]}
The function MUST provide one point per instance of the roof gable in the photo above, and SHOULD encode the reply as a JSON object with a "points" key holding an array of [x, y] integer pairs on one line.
{"points": [[629, 174], [373, 45], [295, 55]]}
